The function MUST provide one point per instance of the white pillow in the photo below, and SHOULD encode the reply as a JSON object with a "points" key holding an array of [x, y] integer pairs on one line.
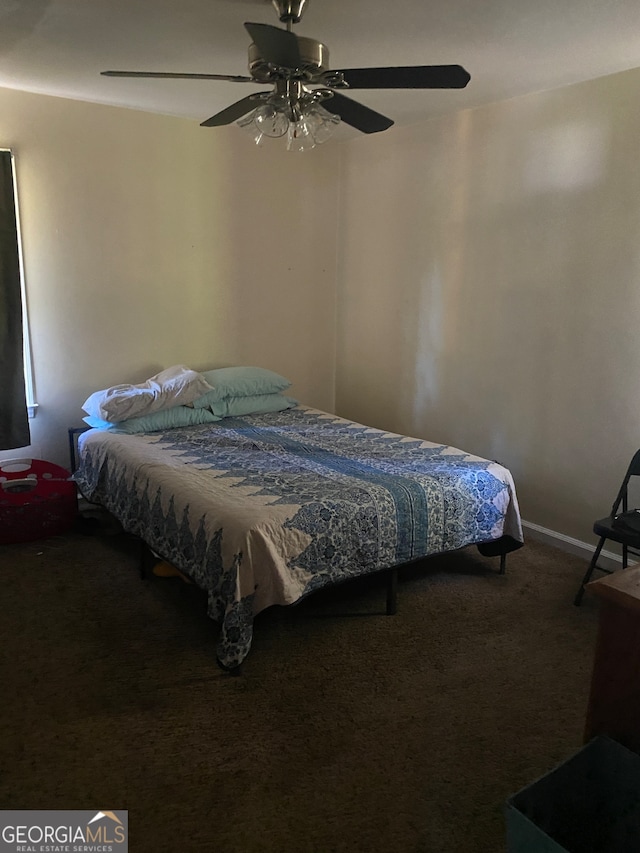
{"points": [[175, 386]]}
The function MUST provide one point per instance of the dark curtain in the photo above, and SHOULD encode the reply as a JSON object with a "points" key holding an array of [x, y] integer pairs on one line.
{"points": [[14, 419]]}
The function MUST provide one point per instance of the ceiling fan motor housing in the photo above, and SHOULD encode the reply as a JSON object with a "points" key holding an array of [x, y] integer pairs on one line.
{"points": [[314, 62]]}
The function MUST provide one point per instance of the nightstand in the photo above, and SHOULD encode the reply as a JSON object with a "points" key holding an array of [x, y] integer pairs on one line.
{"points": [[614, 701]]}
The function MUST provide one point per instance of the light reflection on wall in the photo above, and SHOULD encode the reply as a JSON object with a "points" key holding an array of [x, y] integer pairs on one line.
{"points": [[430, 340], [441, 287], [565, 157]]}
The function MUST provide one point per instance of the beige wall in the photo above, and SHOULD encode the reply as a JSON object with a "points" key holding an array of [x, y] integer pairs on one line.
{"points": [[486, 265], [489, 290], [150, 241]]}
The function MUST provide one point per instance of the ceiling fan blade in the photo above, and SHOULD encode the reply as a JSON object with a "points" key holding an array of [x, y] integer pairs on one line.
{"points": [[407, 77], [234, 78], [279, 47], [232, 113], [355, 114]]}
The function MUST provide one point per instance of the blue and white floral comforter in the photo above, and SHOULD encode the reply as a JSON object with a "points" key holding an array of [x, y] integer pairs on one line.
{"points": [[264, 509]]}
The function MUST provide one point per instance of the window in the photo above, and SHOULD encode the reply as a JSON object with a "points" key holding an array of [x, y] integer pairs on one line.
{"points": [[15, 356], [32, 406]]}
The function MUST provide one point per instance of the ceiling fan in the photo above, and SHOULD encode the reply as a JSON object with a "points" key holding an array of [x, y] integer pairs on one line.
{"points": [[304, 102]]}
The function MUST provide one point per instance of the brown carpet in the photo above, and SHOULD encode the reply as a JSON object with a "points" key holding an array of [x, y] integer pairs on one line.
{"points": [[348, 731]]}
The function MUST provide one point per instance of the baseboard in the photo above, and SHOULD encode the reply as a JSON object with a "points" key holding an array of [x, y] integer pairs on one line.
{"points": [[608, 559]]}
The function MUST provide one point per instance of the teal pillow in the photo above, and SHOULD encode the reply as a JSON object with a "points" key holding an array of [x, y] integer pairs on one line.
{"points": [[257, 404], [240, 382], [178, 416]]}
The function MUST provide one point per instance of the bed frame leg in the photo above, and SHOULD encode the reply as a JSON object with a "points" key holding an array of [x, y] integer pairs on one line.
{"points": [[503, 564], [392, 592], [145, 559]]}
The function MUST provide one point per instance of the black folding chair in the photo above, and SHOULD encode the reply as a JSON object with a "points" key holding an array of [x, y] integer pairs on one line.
{"points": [[622, 525]]}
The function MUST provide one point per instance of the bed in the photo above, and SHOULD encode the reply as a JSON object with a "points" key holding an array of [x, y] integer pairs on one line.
{"points": [[267, 508]]}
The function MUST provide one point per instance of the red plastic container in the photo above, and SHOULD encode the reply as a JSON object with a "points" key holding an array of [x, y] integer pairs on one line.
{"points": [[37, 499]]}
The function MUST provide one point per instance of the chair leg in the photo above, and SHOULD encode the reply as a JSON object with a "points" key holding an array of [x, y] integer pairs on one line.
{"points": [[587, 577], [625, 556]]}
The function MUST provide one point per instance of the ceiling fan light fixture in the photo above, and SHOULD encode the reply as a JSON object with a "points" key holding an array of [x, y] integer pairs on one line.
{"points": [[270, 120], [299, 136], [323, 123], [249, 126], [303, 121]]}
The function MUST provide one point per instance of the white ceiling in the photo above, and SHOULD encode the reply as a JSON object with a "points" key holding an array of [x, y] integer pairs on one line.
{"points": [[510, 47]]}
